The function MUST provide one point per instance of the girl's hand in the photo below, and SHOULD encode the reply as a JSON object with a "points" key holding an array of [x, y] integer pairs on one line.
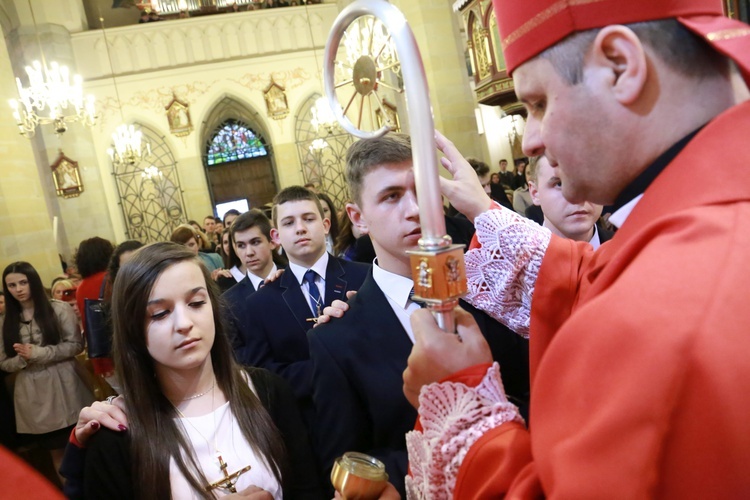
{"points": [[110, 415], [24, 350]]}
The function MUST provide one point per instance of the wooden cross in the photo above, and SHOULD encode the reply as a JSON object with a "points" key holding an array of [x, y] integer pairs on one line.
{"points": [[229, 479]]}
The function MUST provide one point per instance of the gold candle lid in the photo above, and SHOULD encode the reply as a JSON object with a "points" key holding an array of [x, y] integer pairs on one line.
{"points": [[359, 476]]}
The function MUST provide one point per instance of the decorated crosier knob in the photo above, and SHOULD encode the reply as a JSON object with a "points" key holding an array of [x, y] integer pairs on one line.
{"points": [[357, 476]]}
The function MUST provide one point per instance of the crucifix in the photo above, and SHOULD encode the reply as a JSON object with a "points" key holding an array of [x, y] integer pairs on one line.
{"points": [[229, 480]]}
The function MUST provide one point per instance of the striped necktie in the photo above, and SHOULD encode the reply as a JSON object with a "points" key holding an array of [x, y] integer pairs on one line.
{"points": [[316, 301]]}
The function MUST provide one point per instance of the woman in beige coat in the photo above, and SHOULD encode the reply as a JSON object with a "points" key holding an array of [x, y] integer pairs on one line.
{"points": [[40, 341]]}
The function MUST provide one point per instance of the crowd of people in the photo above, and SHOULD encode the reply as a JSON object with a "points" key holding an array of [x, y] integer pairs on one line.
{"points": [[148, 15], [248, 353]]}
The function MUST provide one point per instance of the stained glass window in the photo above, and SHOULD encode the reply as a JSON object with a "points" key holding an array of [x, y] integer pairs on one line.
{"points": [[234, 141]]}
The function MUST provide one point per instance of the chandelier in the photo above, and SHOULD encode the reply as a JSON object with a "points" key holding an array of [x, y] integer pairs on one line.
{"points": [[322, 116], [128, 146], [51, 97], [318, 145], [151, 173]]}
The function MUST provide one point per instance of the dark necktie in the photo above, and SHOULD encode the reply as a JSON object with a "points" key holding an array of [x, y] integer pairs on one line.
{"points": [[262, 282], [411, 297], [316, 302]]}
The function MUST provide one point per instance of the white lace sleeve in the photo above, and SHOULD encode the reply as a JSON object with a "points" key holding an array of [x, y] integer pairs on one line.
{"points": [[502, 273], [454, 417]]}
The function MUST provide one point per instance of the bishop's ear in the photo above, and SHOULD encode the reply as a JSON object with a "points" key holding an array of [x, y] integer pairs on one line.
{"points": [[621, 57]]}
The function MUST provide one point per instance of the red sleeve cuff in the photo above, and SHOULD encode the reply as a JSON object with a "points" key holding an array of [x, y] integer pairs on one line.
{"points": [[73, 439], [471, 376]]}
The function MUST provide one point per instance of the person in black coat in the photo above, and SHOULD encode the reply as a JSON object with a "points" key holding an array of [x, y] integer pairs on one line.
{"points": [[358, 360], [273, 322]]}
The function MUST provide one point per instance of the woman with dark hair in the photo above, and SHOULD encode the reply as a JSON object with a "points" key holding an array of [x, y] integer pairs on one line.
{"points": [[231, 261], [330, 213], [198, 424], [92, 259], [185, 235], [40, 341]]}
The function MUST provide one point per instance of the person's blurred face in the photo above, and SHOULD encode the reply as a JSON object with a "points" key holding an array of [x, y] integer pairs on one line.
{"points": [[301, 231], [326, 209], [2, 304], [228, 219], [18, 286], [495, 178], [58, 291], [192, 245], [225, 243], [254, 250], [125, 256], [503, 166], [209, 224], [485, 181], [569, 220]]}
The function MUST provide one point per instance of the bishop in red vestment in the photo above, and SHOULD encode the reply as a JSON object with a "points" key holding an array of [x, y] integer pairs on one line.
{"points": [[639, 351]]}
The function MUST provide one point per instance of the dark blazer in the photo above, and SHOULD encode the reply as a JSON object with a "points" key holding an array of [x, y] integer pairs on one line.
{"points": [[104, 468], [358, 364], [233, 300], [272, 323]]}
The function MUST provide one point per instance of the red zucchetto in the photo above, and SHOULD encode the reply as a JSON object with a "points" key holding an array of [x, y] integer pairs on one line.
{"points": [[528, 27]]}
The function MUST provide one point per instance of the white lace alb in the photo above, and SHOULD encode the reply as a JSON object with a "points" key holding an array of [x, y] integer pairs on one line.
{"points": [[454, 417], [502, 273]]}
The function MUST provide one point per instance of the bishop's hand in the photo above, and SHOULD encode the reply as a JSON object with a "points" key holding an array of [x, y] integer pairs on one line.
{"points": [[437, 354], [464, 190]]}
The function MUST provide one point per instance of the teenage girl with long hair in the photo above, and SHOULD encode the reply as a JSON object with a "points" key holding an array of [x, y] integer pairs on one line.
{"points": [[199, 426], [41, 338]]}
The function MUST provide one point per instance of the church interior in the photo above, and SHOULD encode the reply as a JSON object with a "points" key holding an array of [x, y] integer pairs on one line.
{"points": [[207, 67]]}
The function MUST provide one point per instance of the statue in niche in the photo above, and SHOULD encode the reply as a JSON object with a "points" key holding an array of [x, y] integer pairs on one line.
{"points": [[66, 177], [178, 116], [276, 102]]}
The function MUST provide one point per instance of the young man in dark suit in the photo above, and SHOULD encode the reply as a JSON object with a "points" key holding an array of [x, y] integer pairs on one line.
{"points": [[575, 221], [251, 238], [274, 320], [358, 360]]}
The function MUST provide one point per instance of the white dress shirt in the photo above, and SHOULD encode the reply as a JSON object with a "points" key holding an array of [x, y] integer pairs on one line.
{"points": [[618, 218], [255, 280], [237, 274], [396, 289], [320, 280], [595, 242]]}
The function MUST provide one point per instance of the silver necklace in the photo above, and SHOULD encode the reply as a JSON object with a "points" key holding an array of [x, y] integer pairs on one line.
{"points": [[229, 481], [196, 396]]}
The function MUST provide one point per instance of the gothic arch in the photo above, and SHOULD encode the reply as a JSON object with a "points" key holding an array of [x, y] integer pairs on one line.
{"points": [[254, 179]]}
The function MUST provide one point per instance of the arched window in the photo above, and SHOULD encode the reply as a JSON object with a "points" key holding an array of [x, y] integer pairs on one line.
{"points": [[234, 141]]}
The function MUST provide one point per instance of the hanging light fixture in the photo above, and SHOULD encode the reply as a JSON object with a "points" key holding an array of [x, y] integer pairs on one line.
{"points": [[322, 116], [51, 96], [151, 173], [128, 146]]}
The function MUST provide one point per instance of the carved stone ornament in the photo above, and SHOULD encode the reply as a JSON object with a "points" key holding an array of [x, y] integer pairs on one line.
{"points": [[276, 103], [67, 177], [178, 115]]}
